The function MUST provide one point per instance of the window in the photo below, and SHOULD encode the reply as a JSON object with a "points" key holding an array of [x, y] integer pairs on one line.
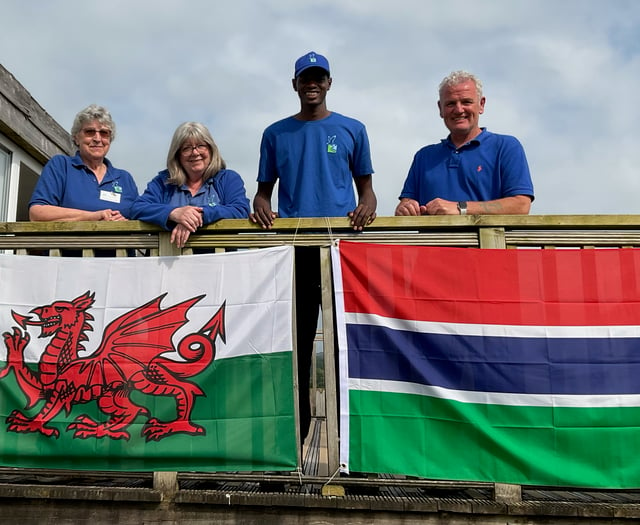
{"points": [[19, 173], [5, 166]]}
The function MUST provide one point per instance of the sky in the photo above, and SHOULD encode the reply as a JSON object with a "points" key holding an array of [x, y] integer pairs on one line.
{"points": [[556, 74]]}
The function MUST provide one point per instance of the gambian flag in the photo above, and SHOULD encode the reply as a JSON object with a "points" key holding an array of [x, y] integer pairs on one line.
{"points": [[148, 363], [513, 366]]}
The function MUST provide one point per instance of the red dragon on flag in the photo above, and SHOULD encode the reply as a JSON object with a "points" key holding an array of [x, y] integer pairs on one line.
{"points": [[130, 358]]}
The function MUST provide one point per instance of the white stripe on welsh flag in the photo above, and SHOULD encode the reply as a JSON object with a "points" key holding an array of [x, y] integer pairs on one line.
{"points": [[256, 285]]}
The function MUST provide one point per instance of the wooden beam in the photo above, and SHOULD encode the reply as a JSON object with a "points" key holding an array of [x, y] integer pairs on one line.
{"points": [[27, 124]]}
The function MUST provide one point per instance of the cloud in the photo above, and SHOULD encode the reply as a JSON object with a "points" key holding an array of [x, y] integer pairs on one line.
{"points": [[557, 75]]}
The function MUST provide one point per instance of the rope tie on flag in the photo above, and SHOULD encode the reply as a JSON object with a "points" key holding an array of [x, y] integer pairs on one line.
{"points": [[295, 233], [332, 476], [298, 471], [333, 241]]}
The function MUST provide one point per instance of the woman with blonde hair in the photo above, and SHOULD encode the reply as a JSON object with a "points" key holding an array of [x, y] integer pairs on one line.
{"points": [[196, 188]]}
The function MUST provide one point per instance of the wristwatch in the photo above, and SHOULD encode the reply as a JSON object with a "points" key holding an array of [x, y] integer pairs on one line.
{"points": [[462, 207]]}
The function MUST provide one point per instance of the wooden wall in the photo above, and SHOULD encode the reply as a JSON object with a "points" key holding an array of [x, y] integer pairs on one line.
{"points": [[27, 124]]}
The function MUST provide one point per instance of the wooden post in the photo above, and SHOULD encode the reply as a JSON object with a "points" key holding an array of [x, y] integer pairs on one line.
{"points": [[507, 493], [492, 238], [330, 380], [165, 247], [166, 483]]}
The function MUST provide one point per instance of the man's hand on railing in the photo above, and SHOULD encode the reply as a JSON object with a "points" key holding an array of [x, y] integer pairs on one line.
{"points": [[365, 212], [408, 208], [263, 215], [362, 216]]}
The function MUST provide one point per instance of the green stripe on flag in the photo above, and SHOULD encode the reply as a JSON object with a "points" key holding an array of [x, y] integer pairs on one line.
{"points": [[247, 411], [443, 439]]}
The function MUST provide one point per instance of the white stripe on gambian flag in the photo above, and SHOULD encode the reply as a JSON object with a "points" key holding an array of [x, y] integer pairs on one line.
{"points": [[494, 330], [497, 398]]}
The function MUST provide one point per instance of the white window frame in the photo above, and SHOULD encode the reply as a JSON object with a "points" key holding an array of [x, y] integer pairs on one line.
{"points": [[5, 173], [18, 156]]}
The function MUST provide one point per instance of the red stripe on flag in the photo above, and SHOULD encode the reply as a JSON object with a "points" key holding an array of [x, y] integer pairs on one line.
{"points": [[591, 287]]}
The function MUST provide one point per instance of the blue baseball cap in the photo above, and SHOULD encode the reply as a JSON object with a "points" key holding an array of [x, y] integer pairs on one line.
{"points": [[311, 59]]}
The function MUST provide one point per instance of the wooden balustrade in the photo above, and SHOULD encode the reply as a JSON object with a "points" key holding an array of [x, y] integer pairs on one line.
{"points": [[512, 232]]}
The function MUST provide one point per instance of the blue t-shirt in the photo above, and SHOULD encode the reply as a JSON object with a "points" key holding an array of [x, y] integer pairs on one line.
{"points": [[222, 196], [67, 182], [489, 167], [315, 162]]}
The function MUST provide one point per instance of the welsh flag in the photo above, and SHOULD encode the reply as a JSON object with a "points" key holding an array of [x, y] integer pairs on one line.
{"points": [[514, 366], [159, 363]]}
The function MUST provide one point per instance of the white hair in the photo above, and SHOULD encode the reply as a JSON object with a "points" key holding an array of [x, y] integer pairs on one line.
{"points": [[457, 77]]}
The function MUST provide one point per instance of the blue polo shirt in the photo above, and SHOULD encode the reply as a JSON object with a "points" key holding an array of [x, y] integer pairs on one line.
{"points": [[489, 167], [315, 162], [67, 182]]}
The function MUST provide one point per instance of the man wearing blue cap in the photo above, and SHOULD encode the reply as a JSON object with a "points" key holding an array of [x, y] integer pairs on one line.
{"points": [[316, 155]]}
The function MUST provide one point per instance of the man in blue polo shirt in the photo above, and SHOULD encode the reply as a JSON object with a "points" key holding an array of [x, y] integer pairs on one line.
{"points": [[316, 156], [472, 171]]}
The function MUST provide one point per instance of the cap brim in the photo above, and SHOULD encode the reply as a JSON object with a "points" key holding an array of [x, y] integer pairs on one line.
{"points": [[299, 72]]}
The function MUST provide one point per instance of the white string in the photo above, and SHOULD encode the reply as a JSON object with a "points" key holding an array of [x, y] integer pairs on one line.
{"points": [[332, 476], [299, 472], [333, 241], [295, 233]]}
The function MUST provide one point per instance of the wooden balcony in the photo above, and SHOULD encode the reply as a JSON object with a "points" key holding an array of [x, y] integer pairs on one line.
{"points": [[480, 231], [314, 493]]}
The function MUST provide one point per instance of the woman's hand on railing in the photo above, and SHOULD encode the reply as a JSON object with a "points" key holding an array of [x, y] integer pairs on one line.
{"points": [[180, 235], [111, 215], [188, 216]]}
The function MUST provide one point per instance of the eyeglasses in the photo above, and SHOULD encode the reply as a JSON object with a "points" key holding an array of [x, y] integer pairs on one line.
{"points": [[200, 148], [90, 132]]}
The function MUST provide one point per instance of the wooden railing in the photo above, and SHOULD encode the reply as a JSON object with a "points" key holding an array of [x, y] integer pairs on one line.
{"points": [[483, 231], [512, 232]]}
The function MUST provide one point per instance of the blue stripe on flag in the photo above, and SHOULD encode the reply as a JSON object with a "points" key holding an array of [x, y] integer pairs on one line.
{"points": [[496, 364]]}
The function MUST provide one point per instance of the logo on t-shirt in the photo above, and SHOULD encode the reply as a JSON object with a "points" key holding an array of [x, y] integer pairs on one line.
{"points": [[332, 147]]}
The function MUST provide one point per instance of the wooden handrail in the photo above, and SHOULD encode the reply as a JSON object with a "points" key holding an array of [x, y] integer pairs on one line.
{"points": [[497, 231]]}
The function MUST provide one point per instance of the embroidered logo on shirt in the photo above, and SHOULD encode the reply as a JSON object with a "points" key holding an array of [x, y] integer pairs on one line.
{"points": [[116, 187], [332, 147], [479, 168]]}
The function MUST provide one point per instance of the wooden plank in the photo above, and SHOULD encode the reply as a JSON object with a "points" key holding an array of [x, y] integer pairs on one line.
{"points": [[330, 379], [25, 122], [507, 493], [166, 483], [514, 225], [165, 246], [492, 238], [78, 242]]}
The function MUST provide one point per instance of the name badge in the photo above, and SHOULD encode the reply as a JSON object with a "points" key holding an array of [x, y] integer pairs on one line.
{"points": [[110, 196]]}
